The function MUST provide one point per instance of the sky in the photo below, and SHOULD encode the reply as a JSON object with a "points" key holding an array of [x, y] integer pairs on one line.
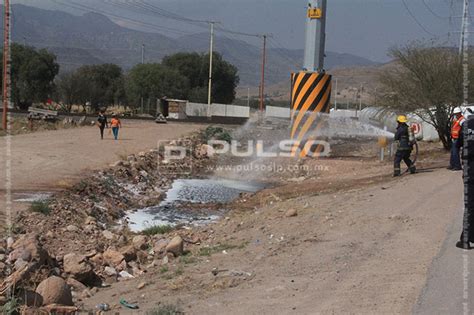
{"points": [[367, 28]]}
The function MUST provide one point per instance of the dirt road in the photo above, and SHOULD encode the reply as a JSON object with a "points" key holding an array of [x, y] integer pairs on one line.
{"points": [[363, 251], [51, 160]]}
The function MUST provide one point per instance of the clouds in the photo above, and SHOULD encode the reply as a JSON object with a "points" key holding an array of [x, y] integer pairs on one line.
{"points": [[363, 27]]}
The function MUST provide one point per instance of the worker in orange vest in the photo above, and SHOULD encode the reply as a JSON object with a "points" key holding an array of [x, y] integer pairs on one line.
{"points": [[456, 129], [116, 125]]}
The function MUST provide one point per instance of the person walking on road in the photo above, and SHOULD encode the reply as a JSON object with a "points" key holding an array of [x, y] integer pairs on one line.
{"points": [[102, 123], [456, 143], [404, 148], [116, 125]]}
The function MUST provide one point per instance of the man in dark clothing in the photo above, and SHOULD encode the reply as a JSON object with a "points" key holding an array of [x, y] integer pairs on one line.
{"points": [[405, 145], [102, 123], [467, 139]]}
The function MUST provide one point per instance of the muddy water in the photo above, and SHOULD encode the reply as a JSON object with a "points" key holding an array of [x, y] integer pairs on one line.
{"points": [[186, 201]]}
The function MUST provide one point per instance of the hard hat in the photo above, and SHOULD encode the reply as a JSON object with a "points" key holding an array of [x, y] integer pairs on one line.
{"points": [[402, 119], [457, 110]]}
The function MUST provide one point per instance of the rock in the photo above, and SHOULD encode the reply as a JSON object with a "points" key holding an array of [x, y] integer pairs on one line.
{"points": [[175, 246], [86, 294], [165, 260], [28, 247], [2, 250], [122, 266], [108, 235], [97, 259], [72, 228], [89, 229], [140, 242], [125, 275], [20, 264], [20, 254], [78, 266], [10, 242], [205, 150], [76, 285], [137, 272], [112, 257], [117, 164], [30, 298], [110, 271], [90, 220], [54, 290], [141, 285], [129, 253], [160, 246], [291, 213], [142, 256]]}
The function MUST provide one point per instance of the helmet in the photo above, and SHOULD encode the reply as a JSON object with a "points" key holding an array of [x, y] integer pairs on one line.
{"points": [[402, 119], [457, 110]]}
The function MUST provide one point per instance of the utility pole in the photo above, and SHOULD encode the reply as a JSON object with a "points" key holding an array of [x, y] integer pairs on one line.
{"points": [[6, 64], [464, 51], [143, 62], [335, 97], [248, 97], [262, 82], [211, 49]]}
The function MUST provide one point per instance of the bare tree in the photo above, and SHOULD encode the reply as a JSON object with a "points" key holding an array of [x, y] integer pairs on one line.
{"points": [[426, 81]]}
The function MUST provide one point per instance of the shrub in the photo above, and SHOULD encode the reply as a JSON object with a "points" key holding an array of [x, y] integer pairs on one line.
{"points": [[157, 229], [40, 206]]}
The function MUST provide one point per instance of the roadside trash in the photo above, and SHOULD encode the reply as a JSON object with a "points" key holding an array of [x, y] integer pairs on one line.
{"points": [[103, 307], [128, 305]]}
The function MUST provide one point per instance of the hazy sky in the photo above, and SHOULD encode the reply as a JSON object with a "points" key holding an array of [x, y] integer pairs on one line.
{"points": [[363, 27]]}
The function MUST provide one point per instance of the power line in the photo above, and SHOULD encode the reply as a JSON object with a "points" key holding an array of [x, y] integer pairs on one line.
{"points": [[416, 20], [85, 8], [433, 12]]}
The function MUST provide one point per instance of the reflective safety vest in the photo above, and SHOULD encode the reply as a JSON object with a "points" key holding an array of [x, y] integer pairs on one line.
{"points": [[115, 122], [456, 127]]}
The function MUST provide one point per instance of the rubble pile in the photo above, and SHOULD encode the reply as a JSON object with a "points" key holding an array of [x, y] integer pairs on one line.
{"points": [[78, 244]]}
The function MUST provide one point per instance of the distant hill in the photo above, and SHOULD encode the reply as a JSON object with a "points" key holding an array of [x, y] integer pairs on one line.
{"points": [[93, 39], [350, 81]]}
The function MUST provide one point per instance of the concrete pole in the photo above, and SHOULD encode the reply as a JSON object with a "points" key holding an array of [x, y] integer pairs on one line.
{"points": [[143, 53], [6, 64], [464, 50], [315, 36], [209, 92]]}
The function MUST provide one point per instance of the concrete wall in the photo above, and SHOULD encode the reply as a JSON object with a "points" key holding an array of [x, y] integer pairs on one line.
{"points": [[277, 112], [222, 110]]}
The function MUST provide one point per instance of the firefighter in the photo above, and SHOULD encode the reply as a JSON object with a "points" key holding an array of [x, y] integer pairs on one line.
{"points": [[456, 141], [404, 146]]}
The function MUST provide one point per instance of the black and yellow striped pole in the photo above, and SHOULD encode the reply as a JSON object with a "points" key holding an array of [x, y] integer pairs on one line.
{"points": [[311, 88]]}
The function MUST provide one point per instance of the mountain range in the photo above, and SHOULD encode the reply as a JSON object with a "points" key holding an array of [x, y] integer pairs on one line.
{"points": [[93, 38]]}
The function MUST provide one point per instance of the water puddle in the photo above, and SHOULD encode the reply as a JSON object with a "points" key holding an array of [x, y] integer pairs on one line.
{"points": [[191, 201]]}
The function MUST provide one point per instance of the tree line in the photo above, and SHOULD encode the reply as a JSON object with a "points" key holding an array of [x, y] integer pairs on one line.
{"points": [[36, 79], [427, 81]]}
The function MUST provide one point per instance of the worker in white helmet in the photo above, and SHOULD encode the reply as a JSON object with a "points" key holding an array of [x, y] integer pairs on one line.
{"points": [[456, 130]]}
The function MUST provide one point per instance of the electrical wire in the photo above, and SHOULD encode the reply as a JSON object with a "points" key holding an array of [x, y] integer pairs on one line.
{"points": [[433, 12], [416, 20]]}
